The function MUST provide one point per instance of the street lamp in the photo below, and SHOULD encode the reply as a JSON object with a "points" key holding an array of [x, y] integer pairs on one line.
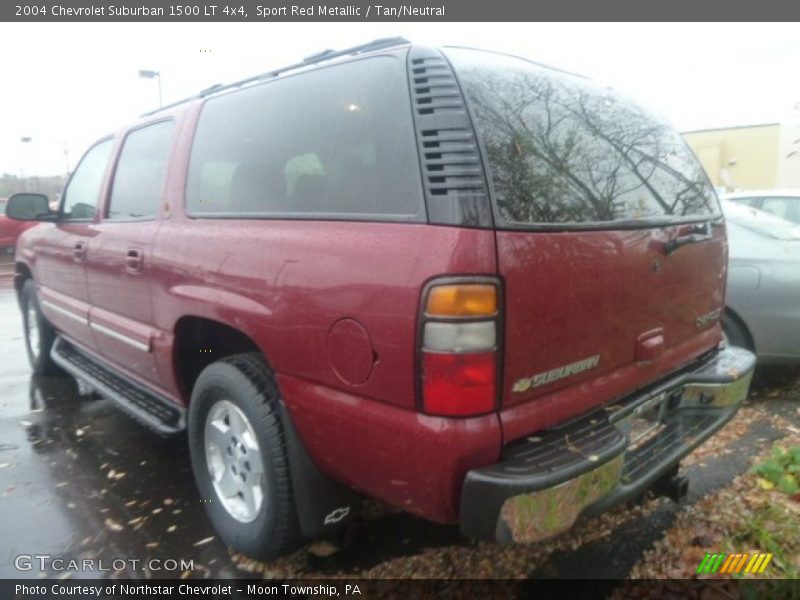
{"points": [[29, 140], [153, 75]]}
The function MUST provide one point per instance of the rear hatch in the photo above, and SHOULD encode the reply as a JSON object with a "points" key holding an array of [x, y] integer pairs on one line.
{"points": [[609, 238]]}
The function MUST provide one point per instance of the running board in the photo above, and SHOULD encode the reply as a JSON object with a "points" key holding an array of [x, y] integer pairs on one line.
{"points": [[152, 410]]}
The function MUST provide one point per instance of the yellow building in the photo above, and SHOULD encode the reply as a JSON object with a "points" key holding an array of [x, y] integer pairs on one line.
{"points": [[750, 157]]}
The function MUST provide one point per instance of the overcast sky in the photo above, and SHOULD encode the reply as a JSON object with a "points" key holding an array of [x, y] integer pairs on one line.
{"points": [[66, 84]]}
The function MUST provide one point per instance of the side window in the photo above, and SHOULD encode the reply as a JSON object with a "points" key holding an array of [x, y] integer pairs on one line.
{"points": [[141, 171], [330, 144], [83, 190], [301, 171], [785, 208]]}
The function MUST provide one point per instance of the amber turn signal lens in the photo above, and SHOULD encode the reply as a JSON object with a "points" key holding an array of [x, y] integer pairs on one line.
{"points": [[464, 300]]}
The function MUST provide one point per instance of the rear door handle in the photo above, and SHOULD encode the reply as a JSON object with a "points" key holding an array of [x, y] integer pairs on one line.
{"points": [[133, 261], [79, 251]]}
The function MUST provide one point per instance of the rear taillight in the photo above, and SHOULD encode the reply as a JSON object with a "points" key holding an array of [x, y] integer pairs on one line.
{"points": [[459, 347]]}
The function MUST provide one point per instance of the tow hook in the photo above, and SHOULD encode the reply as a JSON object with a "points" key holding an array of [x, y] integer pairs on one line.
{"points": [[674, 487]]}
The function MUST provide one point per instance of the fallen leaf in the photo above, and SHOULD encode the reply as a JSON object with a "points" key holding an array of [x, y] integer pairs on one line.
{"points": [[765, 484], [322, 549], [113, 525], [204, 541]]}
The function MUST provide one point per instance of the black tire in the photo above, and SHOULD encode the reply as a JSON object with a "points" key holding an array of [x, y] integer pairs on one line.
{"points": [[247, 382], [736, 333], [38, 351]]}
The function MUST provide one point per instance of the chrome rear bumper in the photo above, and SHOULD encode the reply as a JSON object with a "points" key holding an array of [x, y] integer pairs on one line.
{"points": [[545, 482]]}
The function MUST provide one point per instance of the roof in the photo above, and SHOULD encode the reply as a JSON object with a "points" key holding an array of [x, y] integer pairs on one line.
{"points": [[762, 194], [319, 57], [756, 126]]}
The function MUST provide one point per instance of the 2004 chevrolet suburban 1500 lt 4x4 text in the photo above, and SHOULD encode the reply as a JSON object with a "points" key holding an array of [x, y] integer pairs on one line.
{"points": [[481, 290]]}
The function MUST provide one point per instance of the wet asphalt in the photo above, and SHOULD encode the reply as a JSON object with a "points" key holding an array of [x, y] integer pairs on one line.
{"points": [[79, 479]]}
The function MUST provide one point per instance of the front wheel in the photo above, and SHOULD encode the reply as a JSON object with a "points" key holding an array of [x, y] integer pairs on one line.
{"points": [[239, 457], [39, 334]]}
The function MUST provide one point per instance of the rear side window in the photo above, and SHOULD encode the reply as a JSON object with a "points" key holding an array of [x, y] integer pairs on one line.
{"points": [[785, 208], [746, 201], [83, 189], [141, 172], [563, 150], [333, 143]]}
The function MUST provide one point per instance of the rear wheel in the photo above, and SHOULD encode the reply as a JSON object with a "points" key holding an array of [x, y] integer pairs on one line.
{"points": [[239, 457], [39, 334]]}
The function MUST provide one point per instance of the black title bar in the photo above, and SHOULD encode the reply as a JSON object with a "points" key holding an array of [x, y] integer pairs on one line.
{"points": [[394, 10]]}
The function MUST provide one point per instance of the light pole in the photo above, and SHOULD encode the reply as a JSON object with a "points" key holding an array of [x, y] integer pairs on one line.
{"points": [[29, 140], [153, 75]]}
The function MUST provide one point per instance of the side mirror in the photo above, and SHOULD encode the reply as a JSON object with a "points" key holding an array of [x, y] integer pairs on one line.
{"points": [[29, 207]]}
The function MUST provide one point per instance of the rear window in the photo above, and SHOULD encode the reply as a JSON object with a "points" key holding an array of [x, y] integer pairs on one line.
{"points": [[334, 143], [565, 150]]}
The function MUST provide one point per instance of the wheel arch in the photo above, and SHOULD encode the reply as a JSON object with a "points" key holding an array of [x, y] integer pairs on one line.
{"points": [[736, 318], [22, 272], [199, 341]]}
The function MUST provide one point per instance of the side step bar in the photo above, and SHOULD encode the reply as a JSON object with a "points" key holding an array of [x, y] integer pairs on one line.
{"points": [[152, 410]]}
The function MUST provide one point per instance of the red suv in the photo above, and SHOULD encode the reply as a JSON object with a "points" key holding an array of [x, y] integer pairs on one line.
{"points": [[9, 230], [481, 290]]}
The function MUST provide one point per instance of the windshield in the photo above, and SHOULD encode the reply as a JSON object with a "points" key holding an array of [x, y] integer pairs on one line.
{"points": [[564, 150], [760, 222]]}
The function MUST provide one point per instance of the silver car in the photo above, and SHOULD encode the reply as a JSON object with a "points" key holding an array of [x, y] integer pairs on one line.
{"points": [[781, 203], [763, 294]]}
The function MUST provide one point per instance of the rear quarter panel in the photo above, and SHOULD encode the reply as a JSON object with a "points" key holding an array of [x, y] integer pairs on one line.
{"points": [[286, 283]]}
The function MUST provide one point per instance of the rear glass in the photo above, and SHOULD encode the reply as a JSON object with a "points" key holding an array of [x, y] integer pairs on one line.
{"points": [[565, 150], [334, 143]]}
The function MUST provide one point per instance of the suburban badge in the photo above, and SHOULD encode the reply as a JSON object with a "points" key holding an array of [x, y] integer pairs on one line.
{"points": [[523, 385]]}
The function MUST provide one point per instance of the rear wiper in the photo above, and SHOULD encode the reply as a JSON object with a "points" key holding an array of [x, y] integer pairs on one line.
{"points": [[700, 232]]}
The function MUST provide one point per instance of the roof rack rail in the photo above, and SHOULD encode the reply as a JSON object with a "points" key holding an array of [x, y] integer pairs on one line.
{"points": [[319, 57]]}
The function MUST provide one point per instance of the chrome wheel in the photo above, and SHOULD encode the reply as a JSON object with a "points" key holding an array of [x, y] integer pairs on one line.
{"points": [[33, 330], [234, 461]]}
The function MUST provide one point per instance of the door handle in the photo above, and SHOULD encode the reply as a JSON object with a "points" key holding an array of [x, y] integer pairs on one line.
{"points": [[133, 261], [79, 251]]}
